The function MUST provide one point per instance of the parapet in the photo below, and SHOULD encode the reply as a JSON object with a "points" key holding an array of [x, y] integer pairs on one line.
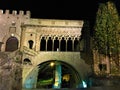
{"points": [[15, 12]]}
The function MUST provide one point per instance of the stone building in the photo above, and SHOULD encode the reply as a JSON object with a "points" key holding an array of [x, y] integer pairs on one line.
{"points": [[45, 42]]}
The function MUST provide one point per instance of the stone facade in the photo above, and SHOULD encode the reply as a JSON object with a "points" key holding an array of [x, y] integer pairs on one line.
{"points": [[41, 40], [10, 25], [105, 65]]}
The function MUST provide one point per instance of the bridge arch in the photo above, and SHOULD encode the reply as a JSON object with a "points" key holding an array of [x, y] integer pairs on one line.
{"points": [[45, 72]]}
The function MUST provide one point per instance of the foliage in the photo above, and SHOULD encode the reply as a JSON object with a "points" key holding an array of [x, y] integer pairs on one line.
{"points": [[106, 29]]}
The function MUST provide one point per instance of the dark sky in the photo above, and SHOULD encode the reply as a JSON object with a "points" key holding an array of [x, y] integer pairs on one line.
{"points": [[56, 9], [60, 9]]}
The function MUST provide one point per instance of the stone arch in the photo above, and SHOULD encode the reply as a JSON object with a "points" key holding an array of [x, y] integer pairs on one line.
{"points": [[11, 44], [5, 38], [74, 75]]}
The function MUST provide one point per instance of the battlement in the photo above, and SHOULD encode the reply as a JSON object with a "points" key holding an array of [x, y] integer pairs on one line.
{"points": [[15, 12]]}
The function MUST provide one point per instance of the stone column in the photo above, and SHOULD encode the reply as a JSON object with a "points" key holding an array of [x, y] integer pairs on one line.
{"points": [[1, 45], [66, 43], [59, 39], [52, 38], [46, 42], [72, 44], [23, 28], [60, 43], [37, 48]]}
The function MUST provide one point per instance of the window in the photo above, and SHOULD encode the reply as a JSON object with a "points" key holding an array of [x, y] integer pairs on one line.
{"points": [[63, 45], [27, 61], [43, 44], [69, 45], [30, 44], [102, 67], [49, 44], [56, 44]]}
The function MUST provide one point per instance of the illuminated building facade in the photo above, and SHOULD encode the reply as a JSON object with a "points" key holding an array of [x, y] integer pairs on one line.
{"points": [[43, 41]]}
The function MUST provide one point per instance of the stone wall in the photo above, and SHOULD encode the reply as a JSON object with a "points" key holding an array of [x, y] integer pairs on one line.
{"points": [[105, 81], [10, 73]]}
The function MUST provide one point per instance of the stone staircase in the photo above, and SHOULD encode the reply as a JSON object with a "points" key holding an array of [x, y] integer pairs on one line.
{"points": [[29, 51]]}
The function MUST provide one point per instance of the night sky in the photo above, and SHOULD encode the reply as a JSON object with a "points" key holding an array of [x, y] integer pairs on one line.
{"points": [[60, 9], [57, 9]]}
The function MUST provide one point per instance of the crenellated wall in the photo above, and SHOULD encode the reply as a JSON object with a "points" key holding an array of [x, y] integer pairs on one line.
{"points": [[15, 12], [10, 25]]}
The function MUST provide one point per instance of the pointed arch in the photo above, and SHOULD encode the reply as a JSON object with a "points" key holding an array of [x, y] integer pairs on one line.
{"points": [[63, 45], [49, 44], [56, 44], [43, 44], [69, 45]]}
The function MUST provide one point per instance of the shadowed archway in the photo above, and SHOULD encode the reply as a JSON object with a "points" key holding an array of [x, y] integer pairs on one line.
{"points": [[52, 72], [11, 44]]}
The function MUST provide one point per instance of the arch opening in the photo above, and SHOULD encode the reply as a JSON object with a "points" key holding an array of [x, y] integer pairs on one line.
{"points": [[49, 44], [56, 44], [27, 61], [57, 74], [76, 45], [11, 44], [43, 44], [69, 45], [63, 45], [54, 74], [30, 44]]}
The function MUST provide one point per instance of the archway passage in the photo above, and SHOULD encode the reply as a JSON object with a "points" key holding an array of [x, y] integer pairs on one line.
{"points": [[11, 44], [57, 74]]}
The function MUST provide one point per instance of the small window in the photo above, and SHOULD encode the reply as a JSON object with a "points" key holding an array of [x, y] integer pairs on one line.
{"points": [[30, 44], [102, 67], [27, 61]]}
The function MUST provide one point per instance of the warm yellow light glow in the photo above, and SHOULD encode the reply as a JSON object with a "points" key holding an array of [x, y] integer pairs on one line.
{"points": [[12, 34], [52, 64], [56, 84]]}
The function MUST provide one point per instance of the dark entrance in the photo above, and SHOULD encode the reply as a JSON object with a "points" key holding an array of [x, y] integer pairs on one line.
{"points": [[66, 76], [11, 44]]}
